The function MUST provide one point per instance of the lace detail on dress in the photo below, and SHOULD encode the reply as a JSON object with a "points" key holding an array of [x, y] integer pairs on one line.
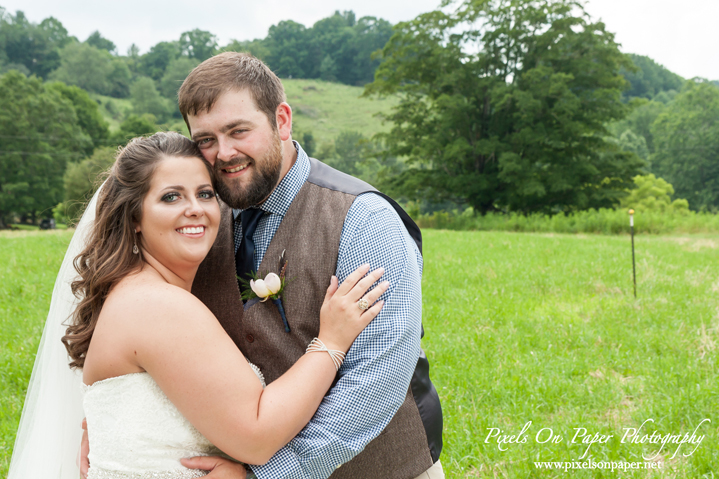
{"points": [[95, 473], [136, 432]]}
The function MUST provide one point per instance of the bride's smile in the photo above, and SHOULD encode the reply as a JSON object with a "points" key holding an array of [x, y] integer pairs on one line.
{"points": [[180, 214]]}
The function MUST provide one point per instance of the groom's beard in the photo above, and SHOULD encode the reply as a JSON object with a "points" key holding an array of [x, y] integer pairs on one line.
{"points": [[264, 175]]}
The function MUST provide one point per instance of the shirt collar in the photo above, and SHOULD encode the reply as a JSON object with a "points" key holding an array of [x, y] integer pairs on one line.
{"points": [[281, 198]]}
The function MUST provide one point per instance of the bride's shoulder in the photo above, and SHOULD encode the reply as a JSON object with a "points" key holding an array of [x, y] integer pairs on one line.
{"points": [[144, 299], [142, 317]]}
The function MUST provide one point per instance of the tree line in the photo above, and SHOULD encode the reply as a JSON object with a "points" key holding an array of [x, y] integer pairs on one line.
{"points": [[529, 106], [51, 124], [505, 105]]}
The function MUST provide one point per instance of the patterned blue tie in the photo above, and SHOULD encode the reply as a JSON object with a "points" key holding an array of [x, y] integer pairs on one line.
{"points": [[244, 258]]}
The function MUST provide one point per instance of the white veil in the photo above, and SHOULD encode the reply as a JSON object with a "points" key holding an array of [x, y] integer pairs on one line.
{"points": [[48, 439]]}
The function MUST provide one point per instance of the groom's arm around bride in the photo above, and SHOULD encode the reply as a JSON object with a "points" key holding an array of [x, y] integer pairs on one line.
{"points": [[382, 418]]}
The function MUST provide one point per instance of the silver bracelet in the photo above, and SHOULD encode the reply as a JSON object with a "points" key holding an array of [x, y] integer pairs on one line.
{"points": [[318, 346]]}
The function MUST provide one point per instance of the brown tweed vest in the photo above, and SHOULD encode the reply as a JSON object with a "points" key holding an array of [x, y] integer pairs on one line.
{"points": [[309, 236]]}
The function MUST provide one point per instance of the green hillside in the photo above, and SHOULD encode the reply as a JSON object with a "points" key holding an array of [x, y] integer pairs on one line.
{"points": [[326, 109], [322, 108]]}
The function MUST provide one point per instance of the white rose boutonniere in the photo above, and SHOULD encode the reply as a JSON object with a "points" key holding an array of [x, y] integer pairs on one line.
{"points": [[271, 288]]}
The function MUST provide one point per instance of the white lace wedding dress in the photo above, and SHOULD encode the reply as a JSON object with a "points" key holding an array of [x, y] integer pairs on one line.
{"points": [[135, 431]]}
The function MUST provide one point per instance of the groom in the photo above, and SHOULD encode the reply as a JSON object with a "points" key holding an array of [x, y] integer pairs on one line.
{"points": [[382, 418]]}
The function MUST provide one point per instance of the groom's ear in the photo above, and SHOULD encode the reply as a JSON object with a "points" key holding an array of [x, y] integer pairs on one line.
{"points": [[283, 117]]}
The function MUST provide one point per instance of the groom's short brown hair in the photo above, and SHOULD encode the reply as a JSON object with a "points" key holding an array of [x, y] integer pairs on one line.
{"points": [[231, 71]]}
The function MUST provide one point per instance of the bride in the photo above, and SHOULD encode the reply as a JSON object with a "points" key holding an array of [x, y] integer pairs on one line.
{"points": [[162, 379]]}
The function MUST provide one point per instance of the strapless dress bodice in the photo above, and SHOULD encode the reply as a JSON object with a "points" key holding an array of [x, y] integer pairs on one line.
{"points": [[135, 432]]}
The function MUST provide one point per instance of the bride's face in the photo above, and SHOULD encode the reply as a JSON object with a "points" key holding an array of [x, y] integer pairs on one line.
{"points": [[180, 214]]}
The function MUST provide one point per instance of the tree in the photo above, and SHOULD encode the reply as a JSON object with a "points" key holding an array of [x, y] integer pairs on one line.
{"points": [[35, 47], [40, 134], [640, 120], [101, 43], [336, 48], [82, 179], [686, 143], [653, 194], [630, 141], [133, 126], [330, 48], [347, 152], [94, 70], [328, 69], [120, 79], [648, 78], [88, 114], [175, 74], [308, 143], [54, 32], [371, 34], [255, 47], [146, 99], [198, 44], [154, 62], [504, 105], [288, 47]]}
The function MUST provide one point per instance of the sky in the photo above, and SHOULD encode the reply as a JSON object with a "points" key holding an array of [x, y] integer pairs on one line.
{"points": [[679, 34]]}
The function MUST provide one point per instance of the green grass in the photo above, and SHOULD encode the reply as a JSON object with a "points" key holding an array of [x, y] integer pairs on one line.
{"points": [[25, 227], [22, 227], [29, 261], [121, 106], [544, 328], [604, 221], [519, 327], [326, 109]]}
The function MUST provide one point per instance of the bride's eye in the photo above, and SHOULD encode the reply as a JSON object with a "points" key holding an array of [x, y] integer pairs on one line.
{"points": [[206, 194], [170, 197]]}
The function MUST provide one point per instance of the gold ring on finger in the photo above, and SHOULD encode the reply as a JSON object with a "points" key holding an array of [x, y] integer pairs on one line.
{"points": [[363, 304]]}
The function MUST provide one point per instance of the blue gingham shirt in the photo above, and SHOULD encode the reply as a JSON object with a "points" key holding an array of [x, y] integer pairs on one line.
{"points": [[376, 373]]}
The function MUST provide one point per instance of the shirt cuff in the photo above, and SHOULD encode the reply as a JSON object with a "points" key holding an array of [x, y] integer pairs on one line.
{"points": [[284, 464]]}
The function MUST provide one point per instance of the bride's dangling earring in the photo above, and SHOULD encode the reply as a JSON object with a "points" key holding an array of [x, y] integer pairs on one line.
{"points": [[135, 250]]}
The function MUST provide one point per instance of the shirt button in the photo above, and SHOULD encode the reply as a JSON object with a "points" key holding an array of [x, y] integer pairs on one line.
{"points": [[250, 338]]}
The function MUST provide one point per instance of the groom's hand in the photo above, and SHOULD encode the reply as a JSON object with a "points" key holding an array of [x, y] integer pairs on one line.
{"points": [[84, 462], [219, 467]]}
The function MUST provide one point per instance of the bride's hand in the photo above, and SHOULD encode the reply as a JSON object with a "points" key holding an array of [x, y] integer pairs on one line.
{"points": [[341, 318], [219, 467]]}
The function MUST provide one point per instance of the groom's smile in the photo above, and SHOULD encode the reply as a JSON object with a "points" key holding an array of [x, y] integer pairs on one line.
{"points": [[230, 172]]}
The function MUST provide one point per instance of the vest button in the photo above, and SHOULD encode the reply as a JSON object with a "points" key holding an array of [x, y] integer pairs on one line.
{"points": [[250, 338]]}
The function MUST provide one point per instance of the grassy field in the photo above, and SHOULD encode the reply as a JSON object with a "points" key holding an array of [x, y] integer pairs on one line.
{"points": [[519, 328], [29, 261], [602, 221], [544, 328]]}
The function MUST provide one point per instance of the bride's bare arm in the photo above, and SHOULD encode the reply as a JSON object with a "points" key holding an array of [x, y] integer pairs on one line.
{"points": [[183, 347]]}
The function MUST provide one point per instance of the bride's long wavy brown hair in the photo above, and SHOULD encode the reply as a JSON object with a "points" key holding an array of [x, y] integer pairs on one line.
{"points": [[108, 255]]}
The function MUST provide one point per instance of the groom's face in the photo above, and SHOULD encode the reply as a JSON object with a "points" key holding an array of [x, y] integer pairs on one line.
{"points": [[245, 150]]}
